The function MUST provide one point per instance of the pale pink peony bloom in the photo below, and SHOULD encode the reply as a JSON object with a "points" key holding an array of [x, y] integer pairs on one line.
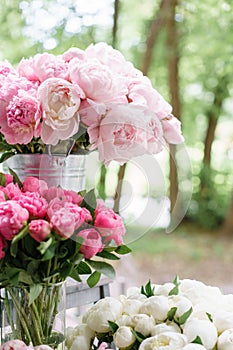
{"points": [[34, 203], [63, 222], [53, 192], [172, 130], [15, 344], [22, 118], [60, 102], [33, 184], [12, 218], [103, 346], [126, 131], [43, 66], [81, 215], [110, 226], [73, 52], [2, 246], [142, 93], [73, 197], [6, 69], [112, 58], [98, 81], [39, 229], [92, 242], [11, 190], [55, 204]]}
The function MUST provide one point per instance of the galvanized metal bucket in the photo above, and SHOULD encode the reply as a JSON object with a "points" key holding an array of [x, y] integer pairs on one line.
{"points": [[57, 170]]}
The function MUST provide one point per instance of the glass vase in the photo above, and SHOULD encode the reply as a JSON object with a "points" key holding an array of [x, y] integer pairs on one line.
{"points": [[38, 321]]}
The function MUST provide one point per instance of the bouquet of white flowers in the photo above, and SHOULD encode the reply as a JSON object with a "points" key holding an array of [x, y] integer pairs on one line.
{"points": [[182, 315]]}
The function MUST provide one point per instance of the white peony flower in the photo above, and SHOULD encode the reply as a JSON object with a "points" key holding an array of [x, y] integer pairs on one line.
{"points": [[143, 324], [166, 340], [182, 303], [223, 320], [204, 329], [164, 289], [156, 306], [123, 337], [193, 346], [78, 334], [124, 320], [225, 340], [164, 327], [131, 306], [107, 309], [80, 342]]}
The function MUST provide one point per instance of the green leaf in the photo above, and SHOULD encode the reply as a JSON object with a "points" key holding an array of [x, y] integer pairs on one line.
{"points": [[16, 179], [65, 269], [18, 237], [75, 275], [102, 267], [93, 279], [147, 290], [2, 179], [44, 245], [35, 291], [171, 313], [183, 318], [123, 249], [113, 326], [175, 290], [209, 316], [25, 277], [139, 336], [106, 255], [84, 268], [5, 155], [197, 340], [89, 201]]}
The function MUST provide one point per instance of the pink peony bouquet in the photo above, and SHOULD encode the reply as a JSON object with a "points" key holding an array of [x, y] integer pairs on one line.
{"points": [[59, 230], [93, 96]]}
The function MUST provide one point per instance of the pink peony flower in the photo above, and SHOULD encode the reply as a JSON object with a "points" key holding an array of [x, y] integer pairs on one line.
{"points": [[15, 344], [110, 225], [33, 184], [54, 193], [63, 222], [103, 346], [172, 130], [43, 66], [81, 215], [22, 121], [39, 229], [126, 131], [12, 218], [2, 246], [73, 52], [2, 196], [9, 179], [73, 197], [92, 242], [60, 102], [11, 190], [34, 203], [142, 93], [98, 81], [56, 204]]}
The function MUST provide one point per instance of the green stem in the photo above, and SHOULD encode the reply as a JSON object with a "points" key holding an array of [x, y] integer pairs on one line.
{"points": [[23, 316]]}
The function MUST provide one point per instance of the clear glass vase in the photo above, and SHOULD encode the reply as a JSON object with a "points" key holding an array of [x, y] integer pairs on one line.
{"points": [[38, 321]]}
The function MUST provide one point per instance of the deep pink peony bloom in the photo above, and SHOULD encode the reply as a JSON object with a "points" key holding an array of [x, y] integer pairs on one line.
{"points": [[92, 242], [34, 203], [12, 190], [73, 197], [12, 218], [2, 196], [63, 222], [33, 184], [9, 178], [60, 102], [39, 229], [110, 225], [2, 246], [15, 344]]}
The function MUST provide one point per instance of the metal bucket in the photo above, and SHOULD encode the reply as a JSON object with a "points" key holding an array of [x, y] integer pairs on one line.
{"points": [[65, 171]]}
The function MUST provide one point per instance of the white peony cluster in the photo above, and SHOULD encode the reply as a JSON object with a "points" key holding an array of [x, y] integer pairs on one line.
{"points": [[183, 315]]}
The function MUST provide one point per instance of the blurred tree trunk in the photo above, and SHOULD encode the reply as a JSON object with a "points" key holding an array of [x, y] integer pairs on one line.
{"points": [[227, 226], [157, 23], [220, 93], [173, 77], [103, 171]]}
